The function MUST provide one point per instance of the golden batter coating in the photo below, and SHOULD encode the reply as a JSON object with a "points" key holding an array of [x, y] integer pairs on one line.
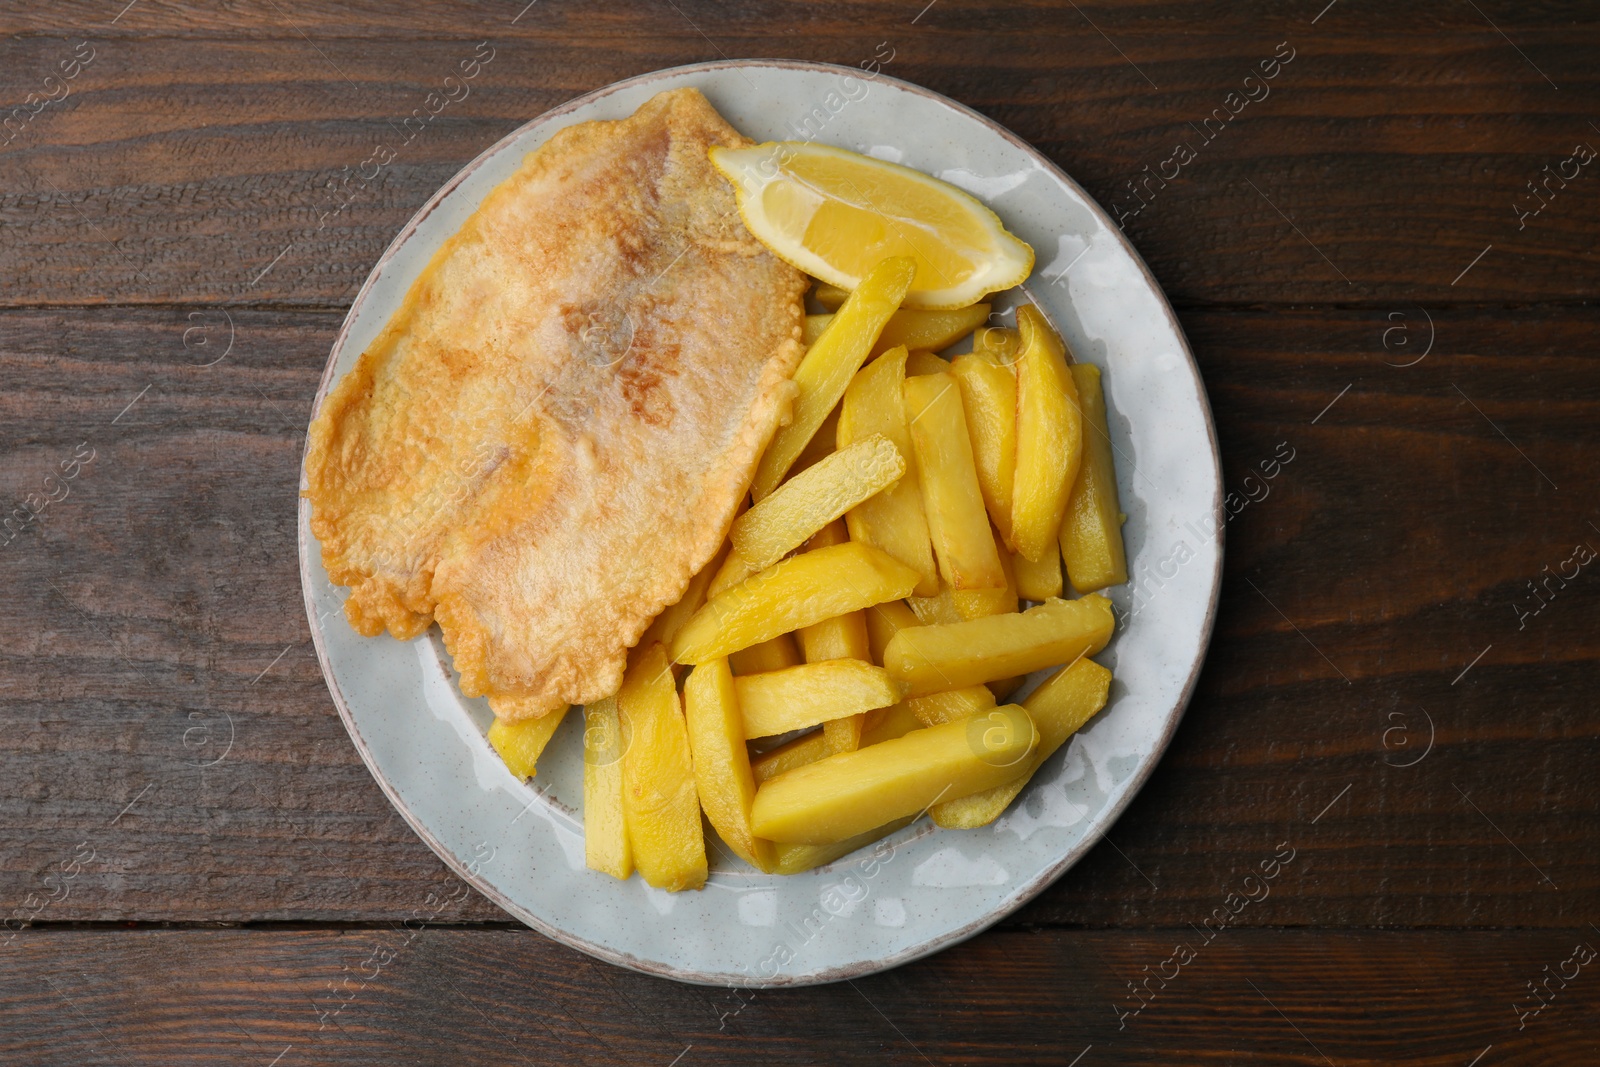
{"points": [[551, 435]]}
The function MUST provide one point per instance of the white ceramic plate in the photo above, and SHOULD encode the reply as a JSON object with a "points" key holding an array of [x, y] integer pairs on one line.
{"points": [[921, 889]]}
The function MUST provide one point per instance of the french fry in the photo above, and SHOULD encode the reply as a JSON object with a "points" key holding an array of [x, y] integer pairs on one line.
{"points": [[957, 522], [520, 743], [977, 603], [1003, 688], [798, 697], [844, 733], [732, 571], [772, 655], [930, 330], [821, 445], [841, 637], [936, 709], [952, 606], [812, 499], [605, 826], [1049, 437], [933, 331], [830, 296], [1091, 532], [930, 659], [1059, 709], [989, 400], [997, 344], [883, 622], [935, 610], [807, 748], [886, 724], [1042, 580], [850, 793], [920, 361], [722, 773], [893, 520], [827, 367], [797, 592], [659, 799], [671, 620], [813, 328], [796, 859]]}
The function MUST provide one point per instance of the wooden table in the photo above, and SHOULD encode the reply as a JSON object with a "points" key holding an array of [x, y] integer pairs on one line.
{"points": [[1401, 688]]}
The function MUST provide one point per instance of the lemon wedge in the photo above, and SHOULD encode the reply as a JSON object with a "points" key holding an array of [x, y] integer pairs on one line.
{"points": [[836, 214]]}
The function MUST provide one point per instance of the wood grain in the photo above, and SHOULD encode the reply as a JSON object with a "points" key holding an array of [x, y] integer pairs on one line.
{"points": [[510, 996], [157, 617], [201, 145], [1388, 693]]}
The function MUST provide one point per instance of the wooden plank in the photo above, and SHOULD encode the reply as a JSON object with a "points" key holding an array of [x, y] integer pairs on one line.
{"points": [[372, 996], [1387, 157], [156, 617]]}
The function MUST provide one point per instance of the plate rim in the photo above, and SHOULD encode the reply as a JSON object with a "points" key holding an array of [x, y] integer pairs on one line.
{"points": [[1024, 892]]}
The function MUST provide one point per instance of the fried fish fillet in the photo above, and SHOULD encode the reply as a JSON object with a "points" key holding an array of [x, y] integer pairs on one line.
{"points": [[550, 436]]}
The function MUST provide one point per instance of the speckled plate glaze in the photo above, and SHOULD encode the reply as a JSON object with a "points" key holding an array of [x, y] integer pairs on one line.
{"points": [[921, 889]]}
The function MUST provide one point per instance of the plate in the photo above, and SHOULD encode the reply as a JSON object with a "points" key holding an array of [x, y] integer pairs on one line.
{"points": [[921, 889]]}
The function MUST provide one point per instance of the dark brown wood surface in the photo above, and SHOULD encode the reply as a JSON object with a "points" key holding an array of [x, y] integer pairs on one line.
{"points": [[171, 290], [502, 996]]}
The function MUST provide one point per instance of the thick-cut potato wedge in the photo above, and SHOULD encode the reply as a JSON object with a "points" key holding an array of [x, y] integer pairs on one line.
{"points": [[813, 328], [931, 331], [519, 743], [886, 724], [936, 709], [671, 620], [722, 774], [1049, 437], [808, 748], [732, 571], [989, 399], [830, 296], [801, 590], [773, 655], [1039, 581], [844, 733], [936, 610], [957, 522], [821, 445], [827, 367], [1091, 532], [930, 659], [893, 520], [1059, 708], [952, 606], [796, 859], [841, 637], [659, 797], [850, 793], [812, 693], [883, 622], [812, 499], [920, 361], [997, 344], [605, 826], [977, 603], [1003, 688]]}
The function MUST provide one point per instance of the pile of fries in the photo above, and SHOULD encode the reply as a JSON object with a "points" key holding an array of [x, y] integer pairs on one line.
{"points": [[873, 596]]}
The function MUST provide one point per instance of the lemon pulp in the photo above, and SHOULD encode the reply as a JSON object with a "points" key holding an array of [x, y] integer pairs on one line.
{"points": [[836, 214]]}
